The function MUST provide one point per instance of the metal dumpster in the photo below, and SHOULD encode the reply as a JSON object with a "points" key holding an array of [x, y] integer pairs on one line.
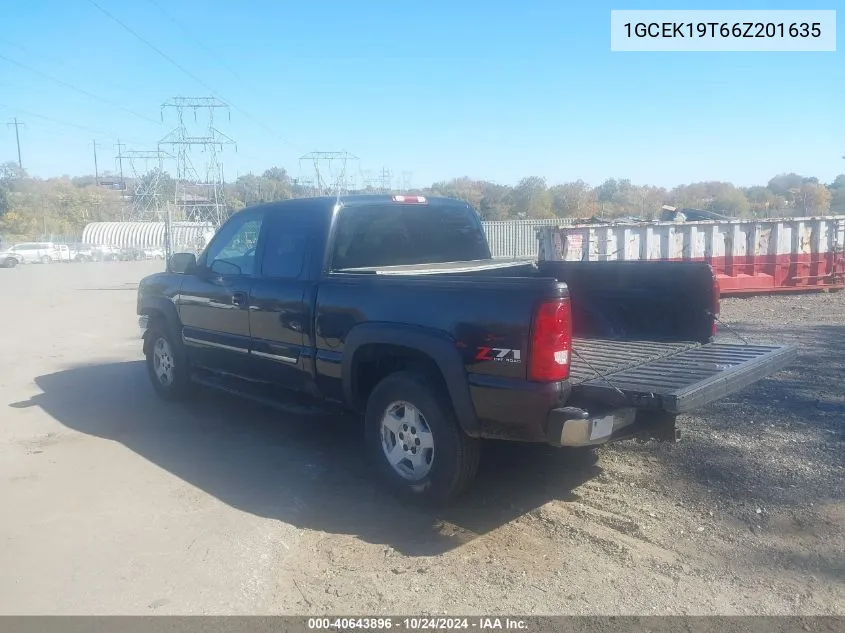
{"points": [[748, 256]]}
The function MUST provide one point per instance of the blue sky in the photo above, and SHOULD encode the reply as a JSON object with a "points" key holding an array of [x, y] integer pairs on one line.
{"points": [[493, 90]]}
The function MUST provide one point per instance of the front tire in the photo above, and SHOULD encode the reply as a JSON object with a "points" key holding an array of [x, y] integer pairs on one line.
{"points": [[166, 364], [414, 440], [10, 262]]}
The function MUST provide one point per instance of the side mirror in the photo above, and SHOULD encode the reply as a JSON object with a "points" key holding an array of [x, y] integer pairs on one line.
{"points": [[223, 267], [182, 263]]}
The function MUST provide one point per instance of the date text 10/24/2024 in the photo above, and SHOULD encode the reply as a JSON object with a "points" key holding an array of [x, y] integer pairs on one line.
{"points": [[723, 30], [416, 624]]}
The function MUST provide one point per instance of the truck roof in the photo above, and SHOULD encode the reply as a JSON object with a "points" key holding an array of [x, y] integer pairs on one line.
{"points": [[356, 200]]}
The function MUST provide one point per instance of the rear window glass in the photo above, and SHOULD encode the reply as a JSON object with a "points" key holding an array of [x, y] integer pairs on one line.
{"points": [[405, 234]]}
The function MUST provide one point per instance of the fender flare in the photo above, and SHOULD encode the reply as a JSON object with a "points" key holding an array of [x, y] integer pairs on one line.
{"points": [[165, 307], [432, 343]]}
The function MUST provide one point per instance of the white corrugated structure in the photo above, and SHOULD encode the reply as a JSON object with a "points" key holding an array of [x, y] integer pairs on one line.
{"points": [[516, 238], [508, 238], [748, 256], [186, 235]]}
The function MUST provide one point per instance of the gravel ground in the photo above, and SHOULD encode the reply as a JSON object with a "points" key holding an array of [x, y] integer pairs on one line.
{"points": [[115, 502]]}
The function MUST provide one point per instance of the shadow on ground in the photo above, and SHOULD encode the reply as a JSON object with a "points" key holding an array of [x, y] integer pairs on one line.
{"points": [[779, 441], [305, 471]]}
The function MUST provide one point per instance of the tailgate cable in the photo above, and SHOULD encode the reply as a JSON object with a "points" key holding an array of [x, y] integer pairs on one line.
{"points": [[598, 375], [729, 328], [604, 378]]}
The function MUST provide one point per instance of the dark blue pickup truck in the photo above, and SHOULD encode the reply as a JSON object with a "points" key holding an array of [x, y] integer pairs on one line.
{"points": [[391, 306]]}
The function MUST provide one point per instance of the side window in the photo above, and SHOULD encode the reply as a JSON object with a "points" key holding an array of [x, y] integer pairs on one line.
{"points": [[233, 250], [285, 251]]}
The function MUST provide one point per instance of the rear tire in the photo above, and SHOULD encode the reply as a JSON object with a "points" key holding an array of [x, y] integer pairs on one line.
{"points": [[413, 405], [166, 364], [46, 259]]}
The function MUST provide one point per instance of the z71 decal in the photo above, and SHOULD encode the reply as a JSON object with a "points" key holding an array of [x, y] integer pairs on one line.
{"points": [[499, 354]]}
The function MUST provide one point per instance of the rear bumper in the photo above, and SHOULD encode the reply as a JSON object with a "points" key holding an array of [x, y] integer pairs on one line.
{"points": [[573, 427], [522, 411], [570, 426]]}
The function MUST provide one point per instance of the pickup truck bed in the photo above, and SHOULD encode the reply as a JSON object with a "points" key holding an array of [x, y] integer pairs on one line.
{"points": [[596, 357]]}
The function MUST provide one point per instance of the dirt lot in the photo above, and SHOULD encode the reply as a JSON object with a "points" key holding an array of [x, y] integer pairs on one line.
{"points": [[114, 502]]}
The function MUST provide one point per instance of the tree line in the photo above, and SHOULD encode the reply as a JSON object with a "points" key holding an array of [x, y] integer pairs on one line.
{"points": [[33, 208]]}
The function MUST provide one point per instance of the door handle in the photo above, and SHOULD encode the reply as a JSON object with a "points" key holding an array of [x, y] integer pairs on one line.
{"points": [[239, 299]]}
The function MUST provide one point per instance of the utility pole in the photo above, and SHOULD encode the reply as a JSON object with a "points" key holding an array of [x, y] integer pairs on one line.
{"points": [[96, 168], [120, 147], [17, 125]]}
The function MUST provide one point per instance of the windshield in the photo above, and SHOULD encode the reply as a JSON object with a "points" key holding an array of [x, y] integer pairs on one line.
{"points": [[398, 234]]}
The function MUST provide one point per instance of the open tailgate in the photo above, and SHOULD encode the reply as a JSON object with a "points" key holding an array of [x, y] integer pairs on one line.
{"points": [[680, 380]]}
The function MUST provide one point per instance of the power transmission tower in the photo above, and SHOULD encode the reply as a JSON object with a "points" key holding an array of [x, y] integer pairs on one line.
{"points": [[148, 201], [368, 183], [17, 125], [333, 175], [304, 186], [385, 180], [407, 178], [200, 195]]}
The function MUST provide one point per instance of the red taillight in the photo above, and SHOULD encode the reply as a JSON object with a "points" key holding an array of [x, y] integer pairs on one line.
{"points": [[551, 342], [409, 199]]}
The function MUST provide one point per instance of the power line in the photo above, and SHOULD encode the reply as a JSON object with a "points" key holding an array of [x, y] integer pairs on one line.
{"points": [[187, 72], [152, 46], [78, 89], [196, 40], [84, 128], [33, 53], [30, 53]]}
